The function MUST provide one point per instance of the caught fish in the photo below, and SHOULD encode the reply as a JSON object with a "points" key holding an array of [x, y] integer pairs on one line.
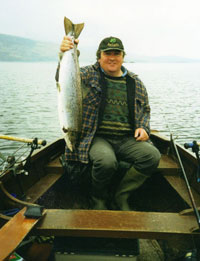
{"points": [[69, 89]]}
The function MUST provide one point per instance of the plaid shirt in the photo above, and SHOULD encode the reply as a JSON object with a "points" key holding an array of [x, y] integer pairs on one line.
{"points": [[90, 77]]}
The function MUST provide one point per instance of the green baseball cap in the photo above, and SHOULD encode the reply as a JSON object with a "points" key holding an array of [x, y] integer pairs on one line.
{"points": [[111, 43]]}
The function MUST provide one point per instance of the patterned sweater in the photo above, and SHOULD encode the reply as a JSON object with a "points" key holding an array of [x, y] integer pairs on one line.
{"points": [[93, 106], [115, 119]]}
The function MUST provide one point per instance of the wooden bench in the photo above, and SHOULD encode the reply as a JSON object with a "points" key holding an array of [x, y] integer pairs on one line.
{"points": [[166, 165], [115, 224]]}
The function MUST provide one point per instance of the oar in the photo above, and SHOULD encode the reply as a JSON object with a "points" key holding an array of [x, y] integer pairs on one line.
{"points": [[39, 142], [15, 230], [196, 211]]}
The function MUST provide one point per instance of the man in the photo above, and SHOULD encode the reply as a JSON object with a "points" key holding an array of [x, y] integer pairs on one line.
{"points": [[116, 115]]}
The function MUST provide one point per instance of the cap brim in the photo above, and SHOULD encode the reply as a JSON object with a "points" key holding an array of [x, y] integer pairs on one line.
{"points": [[109, 49]]}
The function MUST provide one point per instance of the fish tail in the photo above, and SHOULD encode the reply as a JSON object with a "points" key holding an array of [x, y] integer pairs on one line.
{"points": [[74, 29]]}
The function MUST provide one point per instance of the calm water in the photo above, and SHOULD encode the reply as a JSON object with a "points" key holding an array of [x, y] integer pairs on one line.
{"points": [[28, 106]]}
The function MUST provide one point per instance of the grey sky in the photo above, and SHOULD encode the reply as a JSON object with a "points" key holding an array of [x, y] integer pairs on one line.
{"points": [[146, 27]]}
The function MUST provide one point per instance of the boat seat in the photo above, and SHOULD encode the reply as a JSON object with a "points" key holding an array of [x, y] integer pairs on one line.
{"points": [[166, 165], [115, 224], [54, 166]]}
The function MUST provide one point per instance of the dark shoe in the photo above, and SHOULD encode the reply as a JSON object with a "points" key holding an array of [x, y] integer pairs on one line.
{"points": [[99, 204]]}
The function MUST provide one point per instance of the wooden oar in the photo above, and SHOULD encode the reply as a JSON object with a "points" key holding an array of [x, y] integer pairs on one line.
{"points": [[5, 137], [14, 231]]}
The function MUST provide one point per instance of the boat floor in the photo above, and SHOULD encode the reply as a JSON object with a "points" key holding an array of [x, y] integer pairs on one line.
{"points": [[65, 194]]}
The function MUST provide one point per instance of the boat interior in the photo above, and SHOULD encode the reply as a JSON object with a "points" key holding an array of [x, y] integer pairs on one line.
{"points": [[162, 207]]}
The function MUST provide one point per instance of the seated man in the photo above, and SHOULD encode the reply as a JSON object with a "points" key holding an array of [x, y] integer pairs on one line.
{"points": [[116, 116]]}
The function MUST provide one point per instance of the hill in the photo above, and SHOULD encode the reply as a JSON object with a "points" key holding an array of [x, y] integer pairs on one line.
{"points": [[159, 59], [19, 49], [14, 48]]}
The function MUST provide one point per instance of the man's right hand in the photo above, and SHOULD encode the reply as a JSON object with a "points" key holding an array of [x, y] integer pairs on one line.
{"points": [[67, 44]]}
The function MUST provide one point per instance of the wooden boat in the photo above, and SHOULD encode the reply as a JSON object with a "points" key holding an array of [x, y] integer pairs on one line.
{"points": [[163, 208]]}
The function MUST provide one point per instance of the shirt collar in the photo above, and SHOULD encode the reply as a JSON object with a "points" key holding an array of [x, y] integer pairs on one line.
{"points": [[122, 68]]}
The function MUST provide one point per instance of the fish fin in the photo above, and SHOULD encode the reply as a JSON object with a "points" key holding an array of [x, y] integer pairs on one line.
{"points": [[68, 25], [68, 143], [73, 28], [58, 86], [78, 29]]}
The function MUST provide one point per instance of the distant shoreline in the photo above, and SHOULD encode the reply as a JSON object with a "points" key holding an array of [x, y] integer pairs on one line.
{"points": [[91, 62], [18, 49]]}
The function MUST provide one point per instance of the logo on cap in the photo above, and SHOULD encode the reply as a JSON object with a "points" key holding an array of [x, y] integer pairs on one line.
{"points": [[113, 40]]}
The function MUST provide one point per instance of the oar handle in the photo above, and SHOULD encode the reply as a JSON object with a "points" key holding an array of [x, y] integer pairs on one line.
{"points": [[191, 144], [5, 137]]}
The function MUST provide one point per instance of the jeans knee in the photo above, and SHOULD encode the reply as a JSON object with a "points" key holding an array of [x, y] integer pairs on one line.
{"points": [[156, 158], [149, 162], [104, 169]]}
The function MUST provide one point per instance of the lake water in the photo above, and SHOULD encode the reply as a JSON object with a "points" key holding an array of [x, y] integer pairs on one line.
{"points": [[28, 106]]}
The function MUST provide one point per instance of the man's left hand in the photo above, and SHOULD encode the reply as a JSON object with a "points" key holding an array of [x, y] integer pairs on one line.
{"points": [[141, 135]]}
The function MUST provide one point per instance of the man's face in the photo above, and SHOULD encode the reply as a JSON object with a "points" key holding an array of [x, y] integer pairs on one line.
{"points": [[111, 62]]}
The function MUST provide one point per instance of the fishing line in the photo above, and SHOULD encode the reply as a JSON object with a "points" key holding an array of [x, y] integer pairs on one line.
{"points": [[16, 161], [196, 212], [2, 157], [5, 159], [184, 173]]}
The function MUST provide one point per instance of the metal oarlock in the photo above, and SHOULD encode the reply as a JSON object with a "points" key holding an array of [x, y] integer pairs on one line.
{"points": [[195, 148]]}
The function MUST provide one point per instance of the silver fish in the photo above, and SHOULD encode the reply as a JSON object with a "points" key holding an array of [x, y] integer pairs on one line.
{"points": [[69, 89]]}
